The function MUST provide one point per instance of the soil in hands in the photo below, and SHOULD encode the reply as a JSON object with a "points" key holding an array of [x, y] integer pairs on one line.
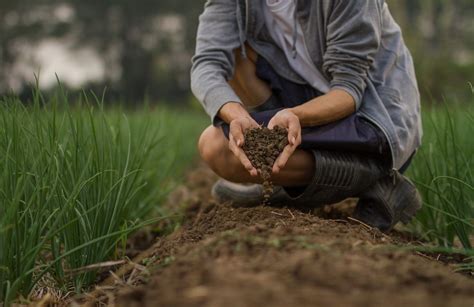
{"points": [[263, 146], [266, 256]]}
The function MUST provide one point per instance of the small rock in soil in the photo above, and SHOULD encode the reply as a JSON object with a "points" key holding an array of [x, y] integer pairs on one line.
{"points": [[263, 146]]}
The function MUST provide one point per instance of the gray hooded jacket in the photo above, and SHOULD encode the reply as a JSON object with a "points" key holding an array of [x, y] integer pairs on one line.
{"points": [[356, 44]]}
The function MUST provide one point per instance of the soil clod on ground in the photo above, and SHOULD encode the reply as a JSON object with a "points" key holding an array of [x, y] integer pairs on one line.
{"points": [[263, 146]]}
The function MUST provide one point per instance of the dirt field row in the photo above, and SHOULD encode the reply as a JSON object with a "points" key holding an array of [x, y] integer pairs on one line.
{"points": [[223, 256]]}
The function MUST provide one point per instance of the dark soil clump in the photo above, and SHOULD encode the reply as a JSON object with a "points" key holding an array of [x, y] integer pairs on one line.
{"points": [[263, 146]]}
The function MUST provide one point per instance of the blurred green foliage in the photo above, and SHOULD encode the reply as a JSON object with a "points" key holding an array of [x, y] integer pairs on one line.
{"points": [[147, 45], [440, 35], [443, 173], [76, 181]]}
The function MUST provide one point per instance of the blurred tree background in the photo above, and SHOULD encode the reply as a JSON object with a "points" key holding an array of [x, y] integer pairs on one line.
{"points": [[142, 49]]}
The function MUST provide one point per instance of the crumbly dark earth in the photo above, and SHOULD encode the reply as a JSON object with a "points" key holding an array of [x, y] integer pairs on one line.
{"points": [[267, 256], [264, 256], [262, 147]]}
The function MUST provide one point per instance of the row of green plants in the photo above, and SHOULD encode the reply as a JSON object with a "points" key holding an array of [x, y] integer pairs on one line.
{"points": [[444, 173], [75, 181]]}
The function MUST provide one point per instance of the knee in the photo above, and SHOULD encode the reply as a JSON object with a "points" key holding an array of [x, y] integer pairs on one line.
{"points": [[209, 144], [213, 149]]}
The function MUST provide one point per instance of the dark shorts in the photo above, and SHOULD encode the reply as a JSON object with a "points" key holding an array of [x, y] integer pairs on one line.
{"points": [[351, 134]]}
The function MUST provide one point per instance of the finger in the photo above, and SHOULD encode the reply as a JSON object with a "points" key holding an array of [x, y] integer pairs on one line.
{"points": [[283, 158], [254, 172], [294, 130], [282, 161], [233, 146], [246, 163], [253, 123], [237, 134], [242, 157], [271, 124], [247, 123], [299, 139]]}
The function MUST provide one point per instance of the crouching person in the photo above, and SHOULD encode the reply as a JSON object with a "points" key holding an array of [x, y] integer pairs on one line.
{"points": [[337, 75]]}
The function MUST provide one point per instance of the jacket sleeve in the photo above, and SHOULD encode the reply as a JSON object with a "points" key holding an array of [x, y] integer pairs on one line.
{"points": [[213, 62], [353, 39]]}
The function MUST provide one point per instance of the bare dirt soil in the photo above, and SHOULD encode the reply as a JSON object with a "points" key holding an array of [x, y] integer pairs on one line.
{"points": [[265, 256]]}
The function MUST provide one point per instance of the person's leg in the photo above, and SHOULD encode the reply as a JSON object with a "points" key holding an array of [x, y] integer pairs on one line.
{"points": [[320, 177]]}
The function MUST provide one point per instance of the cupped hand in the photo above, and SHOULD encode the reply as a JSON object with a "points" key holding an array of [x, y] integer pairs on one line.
{"points": [[288, 120], [237, 139]]}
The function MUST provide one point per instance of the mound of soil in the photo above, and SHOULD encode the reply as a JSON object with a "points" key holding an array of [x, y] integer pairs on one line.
{"points": [[264, 256], [262, 147]]}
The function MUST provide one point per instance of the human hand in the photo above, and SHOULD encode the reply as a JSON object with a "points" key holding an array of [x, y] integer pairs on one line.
{"points": [[288, 120], [236, 141]]}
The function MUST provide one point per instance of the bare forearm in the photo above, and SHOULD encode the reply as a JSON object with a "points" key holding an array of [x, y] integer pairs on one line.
{"points": [[325, 109]]}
